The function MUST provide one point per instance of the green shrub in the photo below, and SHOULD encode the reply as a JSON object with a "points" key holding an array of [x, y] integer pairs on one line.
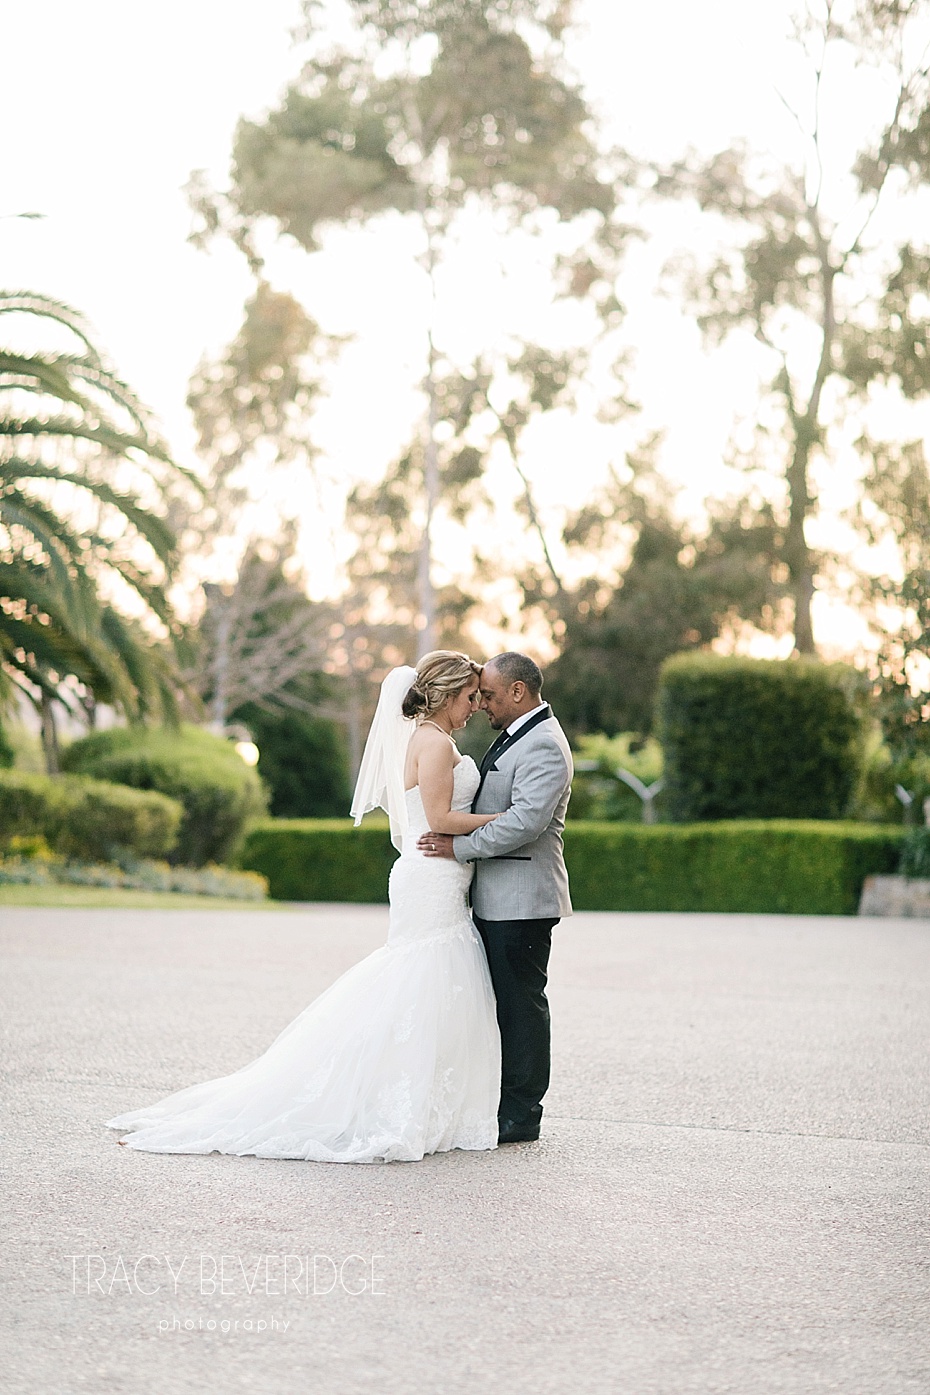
{"points": [[29, 846], [913, 774], [874, 798], [302, 760], [915, 853], [757, 739], [219, 792], [598, 793], [104, 818], [793, 867], [86, 818], [31, 804]]}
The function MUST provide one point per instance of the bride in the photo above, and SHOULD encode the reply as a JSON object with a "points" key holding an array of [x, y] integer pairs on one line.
{"points": [[400, 1057]]}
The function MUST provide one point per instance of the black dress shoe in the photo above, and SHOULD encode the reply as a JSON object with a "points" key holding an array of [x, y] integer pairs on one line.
{"points": [[509, 1132]]}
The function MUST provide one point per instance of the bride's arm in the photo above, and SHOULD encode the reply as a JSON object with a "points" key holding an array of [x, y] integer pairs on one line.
{"points": [[435, 764]]}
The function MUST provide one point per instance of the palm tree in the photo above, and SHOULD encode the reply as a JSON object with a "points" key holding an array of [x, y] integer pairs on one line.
{"points": [[85, 557]]}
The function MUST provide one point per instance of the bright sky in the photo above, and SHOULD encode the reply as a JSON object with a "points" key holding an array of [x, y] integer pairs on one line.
{"points": [[108, 107]]}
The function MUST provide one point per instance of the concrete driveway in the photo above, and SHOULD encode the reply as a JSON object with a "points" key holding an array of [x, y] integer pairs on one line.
{"points": [[731, 1194]]}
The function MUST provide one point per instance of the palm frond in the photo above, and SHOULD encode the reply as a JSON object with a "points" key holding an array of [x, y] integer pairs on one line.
{"points": [[151, 591], [148, 666], [30, 597], [55, 623], [33, 303], [63, 547], [102, 433], [43, 373], [155, 530]]}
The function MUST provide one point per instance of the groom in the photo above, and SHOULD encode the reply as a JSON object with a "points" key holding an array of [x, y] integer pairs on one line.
{"points": [[520, 888]]}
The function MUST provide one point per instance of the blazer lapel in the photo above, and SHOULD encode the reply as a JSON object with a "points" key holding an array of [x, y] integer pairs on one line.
{"points": [[504, 744], [496, 745]]}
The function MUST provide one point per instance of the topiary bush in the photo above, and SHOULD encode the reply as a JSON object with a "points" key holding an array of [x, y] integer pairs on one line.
{"points": [[220, 794], [85, 818], [757, 738]]}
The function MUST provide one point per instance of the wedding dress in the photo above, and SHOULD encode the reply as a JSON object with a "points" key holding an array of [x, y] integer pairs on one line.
{"points": [[398, 1058]]}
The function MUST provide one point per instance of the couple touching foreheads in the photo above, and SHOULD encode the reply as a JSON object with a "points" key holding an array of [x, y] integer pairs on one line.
{"points": [[440, 1039]]}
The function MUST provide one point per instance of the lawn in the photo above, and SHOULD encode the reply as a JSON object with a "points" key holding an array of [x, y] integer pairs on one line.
{"points": [[103, 896]]}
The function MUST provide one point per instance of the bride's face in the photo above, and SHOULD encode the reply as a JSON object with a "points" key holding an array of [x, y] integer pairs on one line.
{"points": [[463, 705]]}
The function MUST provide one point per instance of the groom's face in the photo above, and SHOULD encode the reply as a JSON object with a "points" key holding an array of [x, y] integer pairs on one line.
{"points": [[501, 701]]}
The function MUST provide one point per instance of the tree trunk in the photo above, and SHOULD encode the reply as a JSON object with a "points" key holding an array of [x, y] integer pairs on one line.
{"points": [[428, 170], [219, 703], [797, 552], [428, 639], [530, 502], [806, 433], [89, 703], [50, 746]]}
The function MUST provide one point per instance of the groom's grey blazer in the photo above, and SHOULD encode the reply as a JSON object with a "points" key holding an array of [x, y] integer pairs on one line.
{"points": [[519, 861]]}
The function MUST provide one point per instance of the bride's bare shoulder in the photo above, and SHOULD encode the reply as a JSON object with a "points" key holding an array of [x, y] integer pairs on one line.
{"points": [[427, 735], [433, 746]]}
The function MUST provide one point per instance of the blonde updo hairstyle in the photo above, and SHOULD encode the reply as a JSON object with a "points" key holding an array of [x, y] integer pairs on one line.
{"points": [[440, 676]]}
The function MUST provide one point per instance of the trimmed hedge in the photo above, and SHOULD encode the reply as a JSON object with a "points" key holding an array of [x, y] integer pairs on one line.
{"points": [[85, 818], [784, 866], [793, 867], [757, 738], [320, 859], [219, 792]]}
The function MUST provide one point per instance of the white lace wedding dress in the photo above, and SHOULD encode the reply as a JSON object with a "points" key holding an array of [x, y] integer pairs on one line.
{"points": [[398, 1058]]}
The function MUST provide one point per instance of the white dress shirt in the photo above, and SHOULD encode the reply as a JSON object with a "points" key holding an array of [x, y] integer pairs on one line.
{"points": [[518, 722]]}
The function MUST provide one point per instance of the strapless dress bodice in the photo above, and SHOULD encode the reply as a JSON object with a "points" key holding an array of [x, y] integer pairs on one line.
{"points": [[465, 782]]}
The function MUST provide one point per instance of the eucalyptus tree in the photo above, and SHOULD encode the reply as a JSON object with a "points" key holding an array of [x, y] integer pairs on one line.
{"points": [[252, 405], [478, 410], [259, 637], [86, 555], [492, 404], [672, 587], [481, 410], [256, 635], [825, 261], [427, 110]]}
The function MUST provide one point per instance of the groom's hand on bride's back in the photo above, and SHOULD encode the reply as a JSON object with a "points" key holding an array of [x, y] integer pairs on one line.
{"points": [[436, 845]]}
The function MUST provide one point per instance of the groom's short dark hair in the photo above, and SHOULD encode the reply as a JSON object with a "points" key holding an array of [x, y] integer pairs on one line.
{"points": [[519, 668]]}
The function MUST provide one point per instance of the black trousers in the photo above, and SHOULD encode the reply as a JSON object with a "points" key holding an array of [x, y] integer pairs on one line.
{"points": [[518, 957]]}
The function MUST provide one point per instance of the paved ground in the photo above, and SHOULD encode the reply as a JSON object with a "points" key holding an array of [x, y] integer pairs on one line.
{"points": [[731, 1194]]}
